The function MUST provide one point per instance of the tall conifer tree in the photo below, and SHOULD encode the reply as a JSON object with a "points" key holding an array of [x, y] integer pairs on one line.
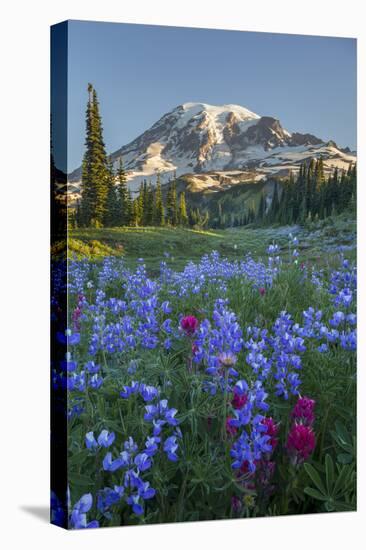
{"points": [[261, 209], [149, 206], [182, 214], [112, 206], [124, 214], [158, 204], [171, 204], [94, 168]]}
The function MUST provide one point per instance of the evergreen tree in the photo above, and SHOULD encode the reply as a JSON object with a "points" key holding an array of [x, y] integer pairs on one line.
{"points": [[171, 204], [143, 198], [140, 207], [275, 206], [78, 219], [149, 205], [298, 195], [302, 194], [182, 214], [129, 209], [251, 215], [353, 188], [220, 215], [318, 188], [333, 193], [135, 214], [159, 218], [284, 203], [261, 209], [94, 168], [112, 206], [310, 187], [124, 206], [88, 190]]}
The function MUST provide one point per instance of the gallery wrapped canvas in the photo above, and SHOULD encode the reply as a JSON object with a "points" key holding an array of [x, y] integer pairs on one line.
{"points": [[203, 293]]}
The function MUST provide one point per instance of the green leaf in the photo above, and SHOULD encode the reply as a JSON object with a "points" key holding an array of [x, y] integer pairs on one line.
{"points": [[329, 473], [342, 431], [345, 507], [344, 458], [314, 476], [78, 458], [116, 427], [330, 506], [340, 484], [314, 493], [80, 480]]}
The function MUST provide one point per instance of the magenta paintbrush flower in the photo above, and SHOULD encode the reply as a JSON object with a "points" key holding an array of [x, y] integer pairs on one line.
{"points": [[239, 400], [189, 324], [303, 412], [300, 442]]}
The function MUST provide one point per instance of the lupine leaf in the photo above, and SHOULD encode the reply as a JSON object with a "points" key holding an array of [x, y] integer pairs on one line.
{"points": [[314, 476], [329, 473], [314, 493]]}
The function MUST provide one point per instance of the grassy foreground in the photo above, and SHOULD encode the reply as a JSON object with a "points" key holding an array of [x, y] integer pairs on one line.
{"points": [[318, 240]]}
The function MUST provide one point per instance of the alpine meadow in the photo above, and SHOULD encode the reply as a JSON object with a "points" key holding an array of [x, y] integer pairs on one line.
{"points": [[204, 284]]}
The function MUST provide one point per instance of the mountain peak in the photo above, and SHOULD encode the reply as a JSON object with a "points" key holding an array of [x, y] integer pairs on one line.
{"points": [[194, 108], [202, 139]]}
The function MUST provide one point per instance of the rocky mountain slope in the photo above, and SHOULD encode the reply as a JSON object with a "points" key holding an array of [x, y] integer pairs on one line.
{"points": [[216, 146]]}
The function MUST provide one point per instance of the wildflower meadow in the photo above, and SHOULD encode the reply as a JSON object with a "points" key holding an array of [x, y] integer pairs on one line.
{"points": [[222, 389]]}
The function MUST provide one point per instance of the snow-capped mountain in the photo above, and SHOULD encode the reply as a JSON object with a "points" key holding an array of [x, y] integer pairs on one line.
{"points": [[216, 144]]}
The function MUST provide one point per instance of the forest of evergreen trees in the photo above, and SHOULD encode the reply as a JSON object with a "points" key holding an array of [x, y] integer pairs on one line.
{"points": [[106, 200], [309, 196]]}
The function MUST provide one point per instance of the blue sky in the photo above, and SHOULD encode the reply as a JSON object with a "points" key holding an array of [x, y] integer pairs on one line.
{"points": [[141, 72]]}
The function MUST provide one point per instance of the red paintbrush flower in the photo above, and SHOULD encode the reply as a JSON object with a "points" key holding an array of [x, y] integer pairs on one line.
{"points": [[189, 324]]}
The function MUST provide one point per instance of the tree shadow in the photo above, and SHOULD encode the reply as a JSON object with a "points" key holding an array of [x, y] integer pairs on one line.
{"points": [[40, 512]]}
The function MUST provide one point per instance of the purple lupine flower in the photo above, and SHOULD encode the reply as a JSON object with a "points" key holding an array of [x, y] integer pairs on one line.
{"points": [[106, 439], [142, 461], [151, 412], [169, 416], [68, 338], [170, 447], [78, 515], [337, 319], [91, 367], [158, 426], [130, 446], [145, 491], [151, 445], [148, 393], [107, 497], [90, 441], [134, 501], [165, 306], [69, 366], [129, 390], [95, 382], [110, 465]]}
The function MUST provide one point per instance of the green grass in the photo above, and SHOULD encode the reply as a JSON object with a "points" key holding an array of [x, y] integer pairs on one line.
{"points": [[318, 241]]}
